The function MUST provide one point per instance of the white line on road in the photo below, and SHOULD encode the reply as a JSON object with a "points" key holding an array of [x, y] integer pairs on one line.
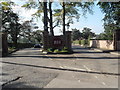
{"points": [[61, 67], [100, 80], [76, 57], [49, 57], [96, 77], [74, 68], [86, 68], [79, 81], [103, 83]]}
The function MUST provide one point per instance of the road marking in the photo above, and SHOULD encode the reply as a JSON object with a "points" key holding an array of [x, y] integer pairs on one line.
{"points": [[103, 83], [49, 57], [86, 68], [99, 80], [96, 77], [74, 68], [76, 57], [79, 81], [61, 67]]}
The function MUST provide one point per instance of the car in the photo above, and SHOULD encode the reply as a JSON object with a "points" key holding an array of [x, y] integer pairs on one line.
{"points": [[37, 46]]}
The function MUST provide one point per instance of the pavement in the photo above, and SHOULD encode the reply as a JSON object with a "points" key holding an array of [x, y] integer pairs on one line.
{"points": [[107, 51], [86, 68]]}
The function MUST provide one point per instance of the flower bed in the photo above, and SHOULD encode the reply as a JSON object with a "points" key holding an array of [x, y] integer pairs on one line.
{"points": [[58, 51]]}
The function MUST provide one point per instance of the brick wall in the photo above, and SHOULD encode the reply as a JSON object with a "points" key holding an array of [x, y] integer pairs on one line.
{"points": [[57, 41]]}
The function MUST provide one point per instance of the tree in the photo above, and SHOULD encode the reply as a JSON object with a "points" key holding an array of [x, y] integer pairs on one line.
{"points": [[10, 22], [6, 14], [27, 30], [109, 29], [112, 12], [108, 32], [45, 16], [111, 18], [76, 34], [63, 6], [42, 8], [101, 36], [51, 19], [70, 10], [37, 35], [86, 33]]}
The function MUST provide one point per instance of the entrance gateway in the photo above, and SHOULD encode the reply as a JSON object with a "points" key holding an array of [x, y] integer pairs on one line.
{"points": [[58, 42]]}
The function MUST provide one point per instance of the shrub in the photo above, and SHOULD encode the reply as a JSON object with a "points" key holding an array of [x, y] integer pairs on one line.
{"points": [[50, 49], [56, 51], [65, 48], [79, 42], [84, 42]]}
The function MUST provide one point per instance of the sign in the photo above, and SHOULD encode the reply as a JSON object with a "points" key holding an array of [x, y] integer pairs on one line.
{"points": [[57, 41]]}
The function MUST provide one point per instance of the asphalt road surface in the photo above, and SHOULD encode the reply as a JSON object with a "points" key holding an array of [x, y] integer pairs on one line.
{"points": [[85, 68]]}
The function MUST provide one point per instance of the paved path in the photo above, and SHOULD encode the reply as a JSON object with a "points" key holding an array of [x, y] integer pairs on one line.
{"points": [[85, 68]]}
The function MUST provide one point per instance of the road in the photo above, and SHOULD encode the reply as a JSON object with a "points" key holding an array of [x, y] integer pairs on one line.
{"points": [[86, 68]]}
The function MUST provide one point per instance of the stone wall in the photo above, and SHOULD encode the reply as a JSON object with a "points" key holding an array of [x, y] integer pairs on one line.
{"points": [[108, 44], [4, 44], [103, 44], [117, 39]]}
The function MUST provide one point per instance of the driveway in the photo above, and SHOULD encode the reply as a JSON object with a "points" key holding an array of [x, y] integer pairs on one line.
{"points": [[86, 68]]}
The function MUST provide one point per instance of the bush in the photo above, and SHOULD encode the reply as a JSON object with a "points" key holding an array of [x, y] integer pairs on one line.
{"points": [[50, 49], [76, 42], [65, 48], [56, 51], [79, 42], [84, 42]]}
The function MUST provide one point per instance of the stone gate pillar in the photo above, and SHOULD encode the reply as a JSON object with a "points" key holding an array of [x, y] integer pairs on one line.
{"points": [[68, 40], [0, 44], [117, 39], [4, 45]]}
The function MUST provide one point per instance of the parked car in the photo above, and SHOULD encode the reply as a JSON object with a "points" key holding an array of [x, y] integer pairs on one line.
{"points": [[37, 46]]}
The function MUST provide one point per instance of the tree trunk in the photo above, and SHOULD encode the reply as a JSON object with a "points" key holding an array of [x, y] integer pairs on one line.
{"points": [[63, 18], [45, 16], [51, 23]]}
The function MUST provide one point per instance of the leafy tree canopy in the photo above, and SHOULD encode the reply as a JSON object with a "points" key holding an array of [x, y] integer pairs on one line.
{"points": [[111, 11]]}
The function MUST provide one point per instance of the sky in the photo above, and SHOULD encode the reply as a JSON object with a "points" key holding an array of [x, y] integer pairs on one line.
{"points": [[93, 21]]}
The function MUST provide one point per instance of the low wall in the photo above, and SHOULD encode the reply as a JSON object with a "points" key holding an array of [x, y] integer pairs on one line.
{"points": [[118, 45], [103, 44]]}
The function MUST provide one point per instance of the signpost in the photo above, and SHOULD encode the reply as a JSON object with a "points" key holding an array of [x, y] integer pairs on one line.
{"points": [[57, 42]]}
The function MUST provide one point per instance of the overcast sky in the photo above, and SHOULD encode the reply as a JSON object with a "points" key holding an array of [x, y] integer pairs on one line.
{"points": [[92, 21]]}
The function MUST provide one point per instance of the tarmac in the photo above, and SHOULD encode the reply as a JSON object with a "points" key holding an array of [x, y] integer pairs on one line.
{"points": [[107, 51]]}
